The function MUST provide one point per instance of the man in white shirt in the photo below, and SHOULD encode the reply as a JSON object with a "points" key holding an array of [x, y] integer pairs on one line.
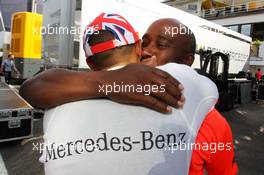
{"points": [[103, 137]]}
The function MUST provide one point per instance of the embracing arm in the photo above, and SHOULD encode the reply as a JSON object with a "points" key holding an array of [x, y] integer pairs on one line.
{"points": [[57, 86]]}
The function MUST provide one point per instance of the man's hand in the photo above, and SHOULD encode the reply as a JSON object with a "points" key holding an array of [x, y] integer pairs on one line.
{"points": [[18, 74], [139, 76]]}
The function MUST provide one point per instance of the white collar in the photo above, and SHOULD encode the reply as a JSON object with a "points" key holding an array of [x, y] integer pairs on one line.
{"points": [[116, 67]]}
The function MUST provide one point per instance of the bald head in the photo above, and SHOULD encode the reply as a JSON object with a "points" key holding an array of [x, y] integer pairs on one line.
{"points": [[170, 41], [180, 34]]}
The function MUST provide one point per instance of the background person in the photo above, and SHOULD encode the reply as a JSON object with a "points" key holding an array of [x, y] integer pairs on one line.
{"points": [[1, 59], [7, 67], [258, 75]]}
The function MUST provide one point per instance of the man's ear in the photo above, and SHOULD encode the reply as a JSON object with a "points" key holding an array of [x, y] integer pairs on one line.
{"points": [[138, 49], [91, 64], [189, 59]]}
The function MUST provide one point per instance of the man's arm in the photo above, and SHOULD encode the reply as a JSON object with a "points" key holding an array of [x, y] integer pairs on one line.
{"points": [[15, 69], [17, 72], [57, 86]]}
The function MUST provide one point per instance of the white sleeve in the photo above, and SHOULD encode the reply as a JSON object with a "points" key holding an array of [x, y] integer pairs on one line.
{"points": [[200, 92], [190, 78]]}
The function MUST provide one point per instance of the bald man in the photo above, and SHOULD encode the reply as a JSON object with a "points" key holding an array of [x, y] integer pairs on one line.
{"points": [[180, 48], [168, 47]]}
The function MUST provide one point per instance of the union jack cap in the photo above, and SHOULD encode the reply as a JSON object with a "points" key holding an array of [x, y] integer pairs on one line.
{"points": [[122, 30]]}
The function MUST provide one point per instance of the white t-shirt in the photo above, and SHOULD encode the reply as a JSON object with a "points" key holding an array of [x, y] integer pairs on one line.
{"points": [[98, 137]]}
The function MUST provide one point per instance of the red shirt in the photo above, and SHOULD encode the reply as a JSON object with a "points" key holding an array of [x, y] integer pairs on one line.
{"points": [[214, 131], [258, 75]]}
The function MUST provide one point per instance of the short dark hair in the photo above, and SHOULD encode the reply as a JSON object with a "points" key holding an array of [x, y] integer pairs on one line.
{"points": [[107, 56], [258, 69]]}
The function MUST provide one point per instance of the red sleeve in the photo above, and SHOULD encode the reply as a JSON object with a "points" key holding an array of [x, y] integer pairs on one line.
{"points": [[216, 152]]}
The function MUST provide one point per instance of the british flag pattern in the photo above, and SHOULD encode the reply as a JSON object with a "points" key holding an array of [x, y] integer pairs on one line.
{"points": [[122, 30]]}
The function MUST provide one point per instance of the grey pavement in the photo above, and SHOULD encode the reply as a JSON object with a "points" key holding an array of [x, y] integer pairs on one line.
{"points": [[247, 123]]}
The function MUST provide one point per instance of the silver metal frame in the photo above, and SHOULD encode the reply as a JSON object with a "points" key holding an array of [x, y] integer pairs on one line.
{"points": [[63, 14], [22, 137], [2, 21], [233, 9], [28, 107]]}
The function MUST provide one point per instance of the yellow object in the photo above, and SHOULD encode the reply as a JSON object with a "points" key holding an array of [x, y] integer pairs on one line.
{"points": [[252, 5], [208, 4], [219, 4], [26, 35]]}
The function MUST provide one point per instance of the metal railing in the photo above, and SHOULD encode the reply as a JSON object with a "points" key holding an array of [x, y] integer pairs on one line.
{"points": [[2, 24], [252, 6]]}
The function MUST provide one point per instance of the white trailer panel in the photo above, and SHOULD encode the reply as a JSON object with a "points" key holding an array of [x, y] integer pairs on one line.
{"points": [[142, 13]]}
